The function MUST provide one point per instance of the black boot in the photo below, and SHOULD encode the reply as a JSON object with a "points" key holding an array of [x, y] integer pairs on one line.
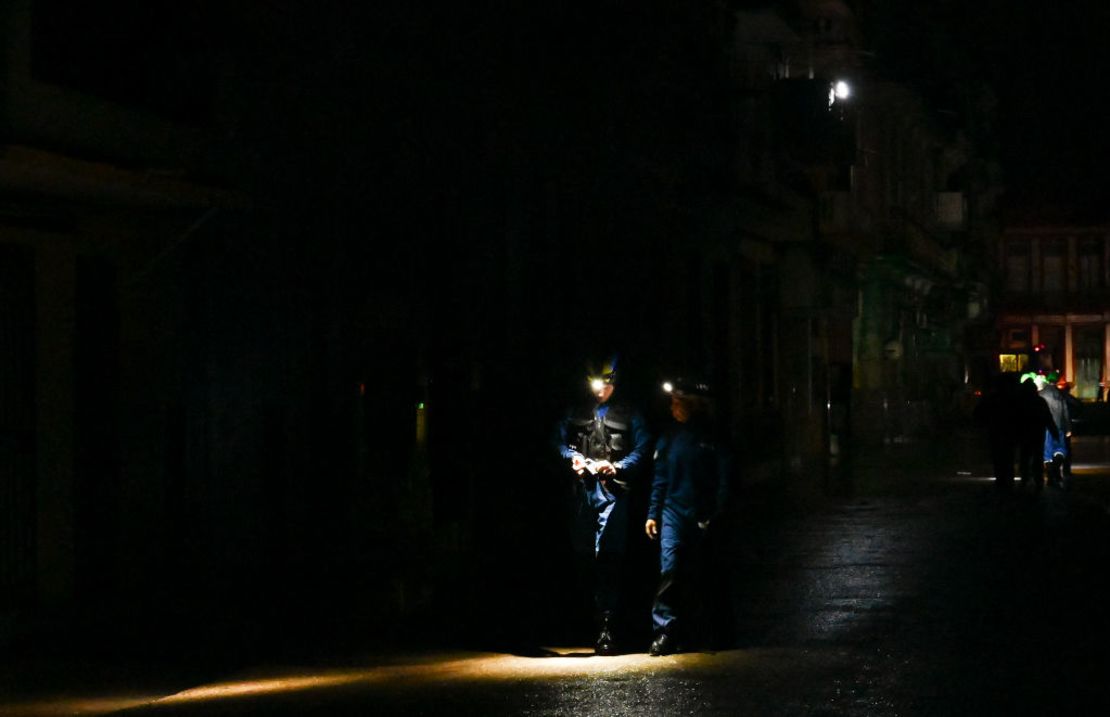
{"points": [[1054, 470], [663, 644], [606, 645]]}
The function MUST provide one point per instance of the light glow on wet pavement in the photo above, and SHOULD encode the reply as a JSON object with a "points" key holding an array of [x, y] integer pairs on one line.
{"points": [[553, 663]]}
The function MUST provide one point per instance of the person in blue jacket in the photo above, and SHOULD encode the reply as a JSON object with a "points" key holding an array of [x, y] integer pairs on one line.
{"points": [[689, 490], [1057, 443], [605, 443]]}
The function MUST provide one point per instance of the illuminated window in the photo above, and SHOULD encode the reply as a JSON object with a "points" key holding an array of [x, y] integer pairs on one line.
{"points": [[1012, 362]]}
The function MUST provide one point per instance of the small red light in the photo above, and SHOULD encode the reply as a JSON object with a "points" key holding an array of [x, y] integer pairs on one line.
{"points": [[978, 393], [362, 389]]}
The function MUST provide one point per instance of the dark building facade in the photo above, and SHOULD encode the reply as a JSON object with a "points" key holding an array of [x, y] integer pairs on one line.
{"points": [[868, 215], [299, 335], [98, 190]]}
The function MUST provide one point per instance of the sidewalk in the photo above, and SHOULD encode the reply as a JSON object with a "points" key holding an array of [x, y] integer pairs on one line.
{"points": [[913, 464]]}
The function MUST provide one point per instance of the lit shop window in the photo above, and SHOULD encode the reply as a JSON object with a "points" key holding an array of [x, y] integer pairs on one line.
{"points": [[1012, 362]]}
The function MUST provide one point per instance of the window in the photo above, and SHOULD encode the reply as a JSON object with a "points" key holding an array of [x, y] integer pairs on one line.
{"points": [[1018, 265], [1052, 339], [1016, 339], [1088, 362], [1053, 253], [1090, 253]]}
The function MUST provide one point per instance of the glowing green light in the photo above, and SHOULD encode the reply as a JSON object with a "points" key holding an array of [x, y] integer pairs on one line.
{"points": [[420, 406]]}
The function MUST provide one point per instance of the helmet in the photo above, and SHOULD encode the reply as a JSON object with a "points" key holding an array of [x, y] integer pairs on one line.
{"points": [[606, 374]]}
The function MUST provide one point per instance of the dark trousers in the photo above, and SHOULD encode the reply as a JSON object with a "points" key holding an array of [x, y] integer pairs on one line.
{"points": [[607, 516], [1030, 466], [1002, 457], [680, 548]]}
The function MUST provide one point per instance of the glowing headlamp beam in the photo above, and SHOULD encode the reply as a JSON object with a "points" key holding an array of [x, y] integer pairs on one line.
{"points": [[839, 90]]}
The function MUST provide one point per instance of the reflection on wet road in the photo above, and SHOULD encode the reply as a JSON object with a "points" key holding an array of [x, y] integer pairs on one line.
{"points": [[942, 598]]}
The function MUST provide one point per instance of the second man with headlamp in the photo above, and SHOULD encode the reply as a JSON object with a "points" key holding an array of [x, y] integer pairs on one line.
{"points": [[689, 490]]}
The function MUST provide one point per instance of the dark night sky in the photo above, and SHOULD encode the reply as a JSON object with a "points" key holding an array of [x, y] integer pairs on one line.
{"points": [[1045, 63], [489, 63], [413, 65]]}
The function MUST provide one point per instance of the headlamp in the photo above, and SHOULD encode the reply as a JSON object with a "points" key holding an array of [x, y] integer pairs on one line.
{"points": [[596, 384], [687, 387], [839, 90]]}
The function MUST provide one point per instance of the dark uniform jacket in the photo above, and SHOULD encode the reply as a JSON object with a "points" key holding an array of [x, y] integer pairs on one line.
{"points": [[692, 473], [611, 431]]}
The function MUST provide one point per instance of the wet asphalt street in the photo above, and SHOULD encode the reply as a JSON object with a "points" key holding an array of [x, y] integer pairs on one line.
{"points": [[926, 593]]}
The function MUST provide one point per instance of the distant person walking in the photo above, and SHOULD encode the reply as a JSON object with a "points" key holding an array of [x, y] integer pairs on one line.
{"points": [[1033, 424], [1016, 421], [996, 413], [1056, 451]]}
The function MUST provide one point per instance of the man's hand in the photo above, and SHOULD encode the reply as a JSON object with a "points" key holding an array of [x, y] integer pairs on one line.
{"points": [[578, 463], [651, 528], [605, 468]]}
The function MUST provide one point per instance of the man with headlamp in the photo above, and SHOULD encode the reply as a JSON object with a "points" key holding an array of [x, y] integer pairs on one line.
{"points": [[689, 490], [605, 442]]}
